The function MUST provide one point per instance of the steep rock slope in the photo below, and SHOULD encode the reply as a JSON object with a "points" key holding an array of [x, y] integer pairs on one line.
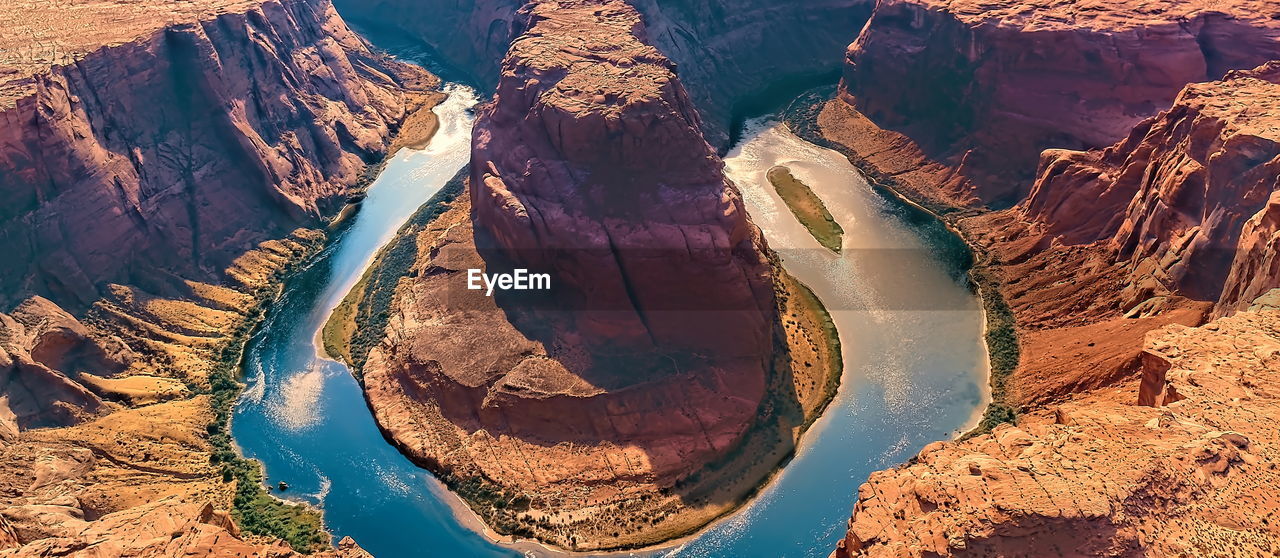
{"points": [[590, 164], [1187, 203], [1180, 465], [144, 152], [729, 52], [986, 86]]}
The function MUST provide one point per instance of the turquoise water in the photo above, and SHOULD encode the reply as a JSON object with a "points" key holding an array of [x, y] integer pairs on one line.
{"points": [[911, 333]]}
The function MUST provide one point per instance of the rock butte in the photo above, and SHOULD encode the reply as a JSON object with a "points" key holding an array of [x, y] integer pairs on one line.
{"points": [[662, 342], [149, 152], [729, 52]]}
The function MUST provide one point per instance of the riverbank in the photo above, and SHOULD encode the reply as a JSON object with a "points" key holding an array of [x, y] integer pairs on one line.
{"points": [[805, 118]]}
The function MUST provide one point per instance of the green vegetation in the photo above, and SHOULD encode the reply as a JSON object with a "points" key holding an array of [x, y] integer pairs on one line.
{"points": [[807, 207], [935, 219], [1002, 347], [254, 510], [357, 324]]}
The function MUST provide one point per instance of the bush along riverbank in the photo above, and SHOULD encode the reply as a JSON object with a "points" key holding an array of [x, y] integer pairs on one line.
{"points": [[936, 222], [255, 510]]}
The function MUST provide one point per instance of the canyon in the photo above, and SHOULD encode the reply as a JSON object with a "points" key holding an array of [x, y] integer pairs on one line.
{"points": [[164, 168], [656, 384], [1113, 166], [730, 54], [1150, 211]]}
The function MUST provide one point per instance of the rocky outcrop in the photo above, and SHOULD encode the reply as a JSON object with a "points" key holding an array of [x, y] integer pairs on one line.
{"points": [[1182, 467], [746, 57], [731, 54], [42, 350], [168, 527], [985, 87], [1187, 203], [590, 164], [178, 148]]}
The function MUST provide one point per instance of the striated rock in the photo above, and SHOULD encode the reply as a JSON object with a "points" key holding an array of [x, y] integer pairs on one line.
{"points": [[731, 53], [590, 164], [1190, 475], [655, 385], [1188, 202], [986, 86], [170, 143], [746, 56], [471, 36]]}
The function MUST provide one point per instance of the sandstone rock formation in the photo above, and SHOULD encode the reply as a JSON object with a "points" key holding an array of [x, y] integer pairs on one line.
{"points": [[42, 350], [730, 53], [986, 86], [168, 527], [1187, 202], [1191, 473], [590, 164], [149, 144], [656, 384]]}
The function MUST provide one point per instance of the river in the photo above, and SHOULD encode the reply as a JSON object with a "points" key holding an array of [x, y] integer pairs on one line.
{"points": [[911, 334]]}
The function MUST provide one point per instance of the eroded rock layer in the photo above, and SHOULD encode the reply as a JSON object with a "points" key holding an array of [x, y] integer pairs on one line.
{"points": [[165, 147], [1180, 464], [730, 52], [986, 86], [590, 164], [1187, 202]]}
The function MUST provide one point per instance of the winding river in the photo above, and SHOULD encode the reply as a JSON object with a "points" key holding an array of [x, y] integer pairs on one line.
{"points": [[911, 334]]}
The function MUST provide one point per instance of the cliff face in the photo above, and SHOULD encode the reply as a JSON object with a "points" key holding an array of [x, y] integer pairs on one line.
{"points": [[986, 87], [601, 176], [1187, 202], [729, 52], [1178, 466], [175, 150]]}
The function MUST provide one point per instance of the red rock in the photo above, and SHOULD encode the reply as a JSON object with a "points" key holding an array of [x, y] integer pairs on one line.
{"points": [[622, 201], [987, 86], [729, 52], [179, 149], [1186, 202], [42, 350], [1187, 475]]}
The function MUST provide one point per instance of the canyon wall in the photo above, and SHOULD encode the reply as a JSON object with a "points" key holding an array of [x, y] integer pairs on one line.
{"points": [[730, 53], [176, 149], [1188, 202], [986, 87], [1188, 472]]}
